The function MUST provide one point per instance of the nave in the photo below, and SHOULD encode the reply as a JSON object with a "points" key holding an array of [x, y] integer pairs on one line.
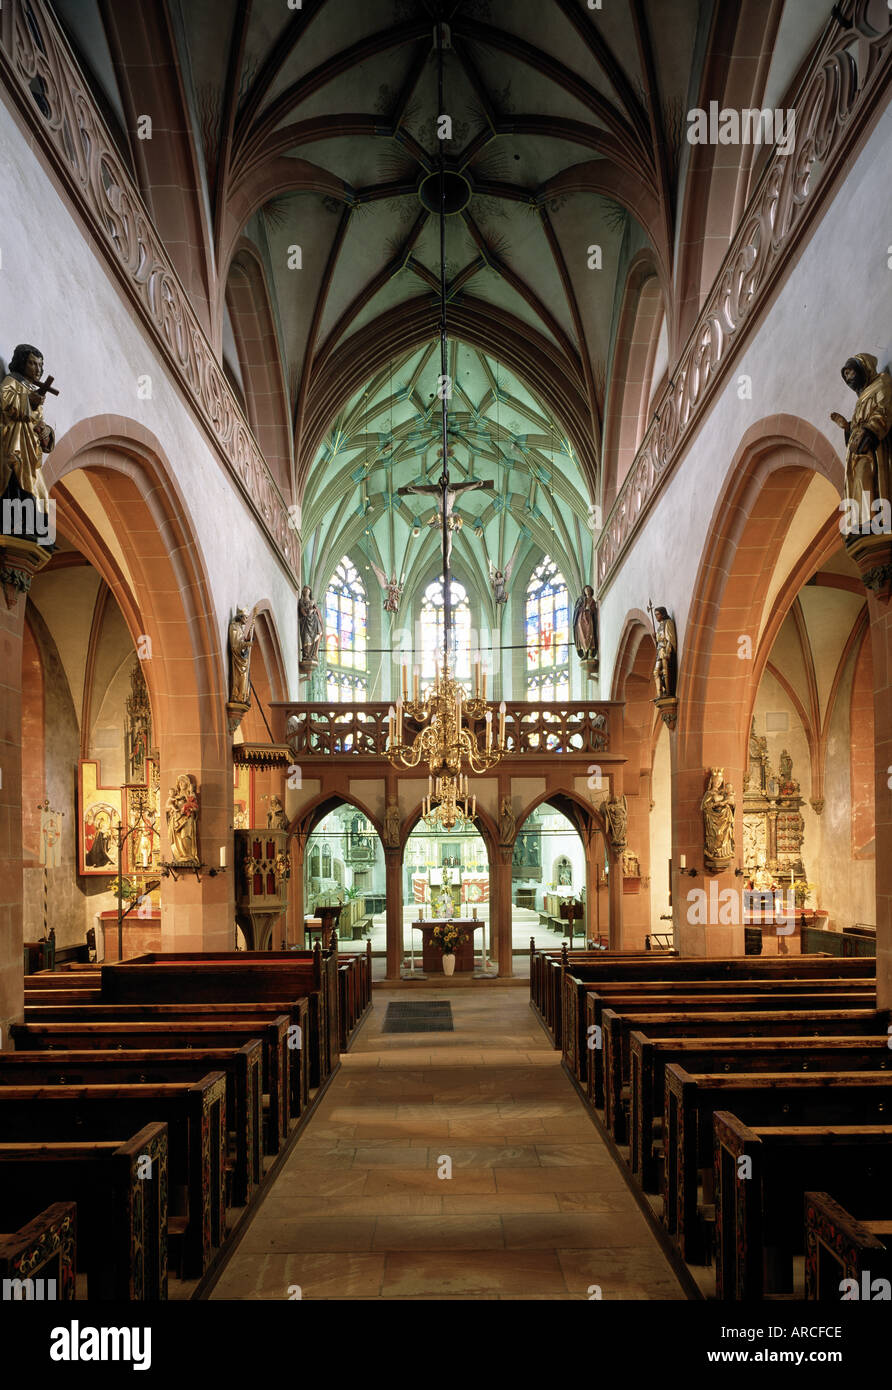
{"points": [[535, 1208]]}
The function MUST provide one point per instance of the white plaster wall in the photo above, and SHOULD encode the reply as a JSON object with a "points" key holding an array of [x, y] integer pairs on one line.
{"points": [[57, 294], [837, 301]]}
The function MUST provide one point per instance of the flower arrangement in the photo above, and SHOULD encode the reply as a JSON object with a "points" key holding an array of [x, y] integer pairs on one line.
{"points": [[448, 936], [802, 891]]}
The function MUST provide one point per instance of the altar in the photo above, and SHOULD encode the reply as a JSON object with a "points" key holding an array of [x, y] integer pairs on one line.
{"points": [[432, 956]]}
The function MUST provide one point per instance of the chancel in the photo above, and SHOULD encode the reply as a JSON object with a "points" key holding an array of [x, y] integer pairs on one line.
{"points": [[446, 564]]}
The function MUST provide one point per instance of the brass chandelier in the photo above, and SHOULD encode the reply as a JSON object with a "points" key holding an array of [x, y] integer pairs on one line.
{"points": [[447, 742]]}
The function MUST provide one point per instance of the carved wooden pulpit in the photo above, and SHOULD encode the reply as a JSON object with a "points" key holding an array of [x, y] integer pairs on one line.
{"points": [[262, 870]]}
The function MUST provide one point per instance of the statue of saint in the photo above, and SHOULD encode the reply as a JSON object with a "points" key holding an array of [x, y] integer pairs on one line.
{"points": [[718, 806], [181, 809], [762, 880], [276, 818], [867, 434], [24, 434], [786, 768], [310, 626], [507, 822], [585, 625], [241, 642], [617, 812], [392, 825], [667, 648]]}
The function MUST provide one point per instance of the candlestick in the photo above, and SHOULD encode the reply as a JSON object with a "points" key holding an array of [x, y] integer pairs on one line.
{"points": [[405, 681], [488, 730], [222, 856], [681, 861], [415, 689], [399, 721], [483, 692], [390, 718], [502, 723]]}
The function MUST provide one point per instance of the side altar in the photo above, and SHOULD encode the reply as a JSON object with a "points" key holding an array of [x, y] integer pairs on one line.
{"points": [[432, 956]]}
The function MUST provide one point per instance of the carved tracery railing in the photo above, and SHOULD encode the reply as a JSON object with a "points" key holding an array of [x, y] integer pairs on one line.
{"points": [[319, 730], [41, 73], [836, 100]]}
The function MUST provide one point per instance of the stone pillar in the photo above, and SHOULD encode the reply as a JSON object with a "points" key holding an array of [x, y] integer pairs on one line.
{"points": [[880, 612], [20, 560], [393, 860], [294, 914], [500, 884], [615, 901], [11, 968], [708, 919], [199, 914]]}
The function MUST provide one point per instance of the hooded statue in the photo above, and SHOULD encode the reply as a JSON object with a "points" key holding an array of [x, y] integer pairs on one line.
{"points": [[868, 439]]}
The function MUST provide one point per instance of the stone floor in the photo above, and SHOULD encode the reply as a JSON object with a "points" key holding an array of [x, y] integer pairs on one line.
{"points": [[535, 1207]]}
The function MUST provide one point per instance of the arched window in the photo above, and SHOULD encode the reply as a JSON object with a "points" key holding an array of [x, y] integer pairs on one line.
{"points": [[547, 624], [346, 621], [432, 630]]}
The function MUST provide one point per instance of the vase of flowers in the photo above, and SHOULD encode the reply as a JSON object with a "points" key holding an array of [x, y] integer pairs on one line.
{"points": [[448, 936]]}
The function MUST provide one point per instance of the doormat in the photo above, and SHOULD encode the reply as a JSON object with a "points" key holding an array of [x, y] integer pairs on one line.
{"points": [[432, 1016]]}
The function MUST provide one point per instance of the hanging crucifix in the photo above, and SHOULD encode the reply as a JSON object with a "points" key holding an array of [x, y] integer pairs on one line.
{"points": [[445, 515]]}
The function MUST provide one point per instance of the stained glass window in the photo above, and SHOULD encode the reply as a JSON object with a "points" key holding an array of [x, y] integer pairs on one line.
{"points": [[432, 631], [346, 618], [547, 621]]}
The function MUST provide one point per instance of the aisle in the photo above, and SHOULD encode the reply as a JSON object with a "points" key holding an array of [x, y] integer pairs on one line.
{"points": [[535, 1207]]}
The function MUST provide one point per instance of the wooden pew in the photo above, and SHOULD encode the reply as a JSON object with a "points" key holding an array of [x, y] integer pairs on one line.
{"points": [[195, 1115], [122, 1212], [649, 1057], [719, 970], [64, 979], [765, 1098], [837, 1247], [238, 977], [576, 982], [242, 1066], [43, 1250], [614, 1065], [703, 995], [759, 1214], [297, 1011], [62, 996], [182, 1034], [543, 995]]}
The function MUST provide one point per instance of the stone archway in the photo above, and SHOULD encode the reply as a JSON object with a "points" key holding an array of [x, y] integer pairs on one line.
{"points": [[157, 574], [487, 831], [603, 900], [736, 601]]}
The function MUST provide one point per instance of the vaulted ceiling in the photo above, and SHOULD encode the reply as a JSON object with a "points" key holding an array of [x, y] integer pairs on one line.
{"points": [[289, 172]]}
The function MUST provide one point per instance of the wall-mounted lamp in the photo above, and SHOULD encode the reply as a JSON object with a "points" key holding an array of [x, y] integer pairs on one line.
{"points": [[682, 869]]}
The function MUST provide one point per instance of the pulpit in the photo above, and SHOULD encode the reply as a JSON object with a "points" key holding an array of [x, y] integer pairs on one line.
{"points": [[432, 956]]}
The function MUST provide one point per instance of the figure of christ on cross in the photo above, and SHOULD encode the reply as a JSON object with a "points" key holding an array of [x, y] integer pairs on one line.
{"points": [[447, 493]]}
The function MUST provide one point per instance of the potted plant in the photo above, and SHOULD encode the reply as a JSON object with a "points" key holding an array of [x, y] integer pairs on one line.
{"points": [[448, 936]]}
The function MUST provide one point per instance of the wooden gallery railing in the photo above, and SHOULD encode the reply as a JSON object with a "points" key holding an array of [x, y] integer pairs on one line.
{"points": [[574, 728]]}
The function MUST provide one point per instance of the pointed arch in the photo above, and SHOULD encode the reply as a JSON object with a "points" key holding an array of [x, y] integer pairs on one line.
{"points": [[266, 396]]}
